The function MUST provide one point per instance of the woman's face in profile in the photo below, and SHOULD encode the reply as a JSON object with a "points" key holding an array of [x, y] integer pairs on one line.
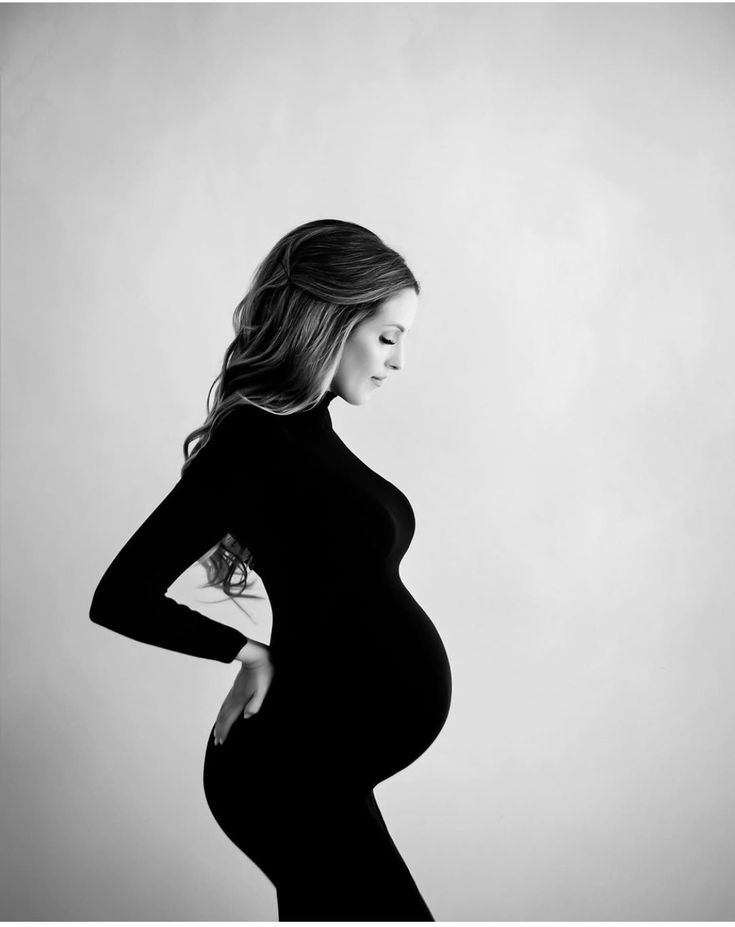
{"points": [[374, 348]]}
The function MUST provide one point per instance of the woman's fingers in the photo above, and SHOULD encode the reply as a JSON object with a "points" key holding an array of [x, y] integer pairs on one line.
{"points": [[224, 722], [229, 714], [235, 706], [256, 701], [260, 694]]}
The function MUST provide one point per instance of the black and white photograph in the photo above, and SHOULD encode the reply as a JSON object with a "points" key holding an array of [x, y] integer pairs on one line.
{"points": [[367, 454]]}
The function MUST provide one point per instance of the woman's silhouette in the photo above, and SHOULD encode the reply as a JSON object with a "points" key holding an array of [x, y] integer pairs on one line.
{"points": [[355, 684]]}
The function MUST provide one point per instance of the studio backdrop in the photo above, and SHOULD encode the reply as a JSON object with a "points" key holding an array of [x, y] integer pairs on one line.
{"points": [[559, 178]]}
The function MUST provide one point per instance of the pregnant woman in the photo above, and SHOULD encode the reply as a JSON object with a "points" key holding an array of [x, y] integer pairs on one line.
{"points": [[355, 683]]}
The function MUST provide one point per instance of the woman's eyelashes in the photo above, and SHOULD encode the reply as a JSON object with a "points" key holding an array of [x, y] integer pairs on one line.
{"points": [[387, 341]]}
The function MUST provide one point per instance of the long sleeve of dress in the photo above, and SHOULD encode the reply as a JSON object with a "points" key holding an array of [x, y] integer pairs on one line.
{"points": [[131, 596]]}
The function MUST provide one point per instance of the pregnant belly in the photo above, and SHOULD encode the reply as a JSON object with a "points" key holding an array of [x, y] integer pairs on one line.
{"points": [[412, 689], [372, 690]]}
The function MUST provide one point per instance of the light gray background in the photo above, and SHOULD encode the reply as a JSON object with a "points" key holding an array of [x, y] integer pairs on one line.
{"points": [[560, 178]]}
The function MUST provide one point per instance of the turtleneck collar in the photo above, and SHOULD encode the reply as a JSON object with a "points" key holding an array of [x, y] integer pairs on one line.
{"points": [[318, 414]]}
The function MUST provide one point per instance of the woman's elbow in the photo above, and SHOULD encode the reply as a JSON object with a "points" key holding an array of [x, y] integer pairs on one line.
{"points": [[100, 609]]}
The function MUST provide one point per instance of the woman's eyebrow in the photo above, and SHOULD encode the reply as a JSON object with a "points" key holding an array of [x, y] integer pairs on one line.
{"points": [[394, 325]]}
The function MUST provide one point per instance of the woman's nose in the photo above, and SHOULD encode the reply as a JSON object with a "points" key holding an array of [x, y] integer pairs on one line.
{"points": [[396, 358]]}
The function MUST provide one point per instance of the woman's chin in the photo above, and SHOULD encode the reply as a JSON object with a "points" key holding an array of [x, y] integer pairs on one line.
{"points": [[359, 396]]}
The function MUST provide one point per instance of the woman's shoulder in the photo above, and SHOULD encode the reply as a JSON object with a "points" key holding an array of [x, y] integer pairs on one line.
{"points": [[244, 426], [243, 431], [243, 420]]}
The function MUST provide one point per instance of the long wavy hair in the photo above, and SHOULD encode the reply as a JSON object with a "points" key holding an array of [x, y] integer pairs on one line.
{"points": [[314, 286]]}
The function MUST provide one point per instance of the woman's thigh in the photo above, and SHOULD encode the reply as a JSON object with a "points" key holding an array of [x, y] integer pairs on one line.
{"points": [[340, 863], [299, 811]]}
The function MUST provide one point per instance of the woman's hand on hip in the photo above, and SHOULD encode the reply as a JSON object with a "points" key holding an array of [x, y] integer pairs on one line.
{"points": [[248, 690]]}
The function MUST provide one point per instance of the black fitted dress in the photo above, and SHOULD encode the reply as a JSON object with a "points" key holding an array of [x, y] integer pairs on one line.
{"points": [[362, 683]]}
